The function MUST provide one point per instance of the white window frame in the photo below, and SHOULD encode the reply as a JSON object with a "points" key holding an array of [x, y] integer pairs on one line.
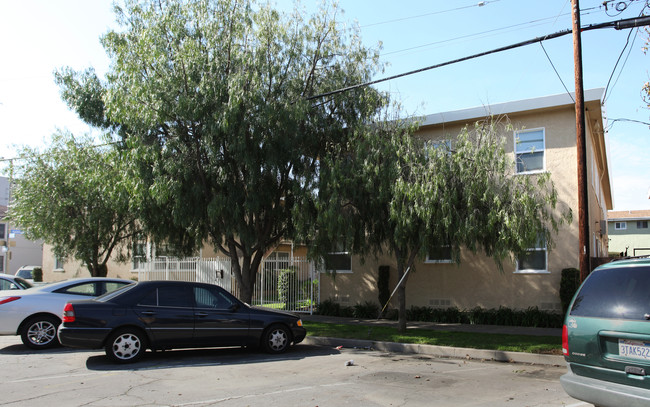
{"points": [[620, 225], [531, 150], [541, 247], [58, 264]]}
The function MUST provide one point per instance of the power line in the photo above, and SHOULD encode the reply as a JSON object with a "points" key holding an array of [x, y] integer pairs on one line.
{"points": [[627, 42], [479, 4], [619, 25], [556, 72]]}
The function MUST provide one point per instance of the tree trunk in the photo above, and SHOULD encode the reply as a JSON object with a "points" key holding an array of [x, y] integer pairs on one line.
{"points": [[401, 295], [98, 270]]}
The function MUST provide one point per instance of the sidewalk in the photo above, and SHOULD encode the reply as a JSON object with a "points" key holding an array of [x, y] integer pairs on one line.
{"points": [[442, 351]]}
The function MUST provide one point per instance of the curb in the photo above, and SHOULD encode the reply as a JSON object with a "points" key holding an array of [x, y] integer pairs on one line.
{"points": [[441, 351]]}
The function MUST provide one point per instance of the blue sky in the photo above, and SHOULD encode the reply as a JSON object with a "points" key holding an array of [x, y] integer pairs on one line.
{"points": [[41, 35]]}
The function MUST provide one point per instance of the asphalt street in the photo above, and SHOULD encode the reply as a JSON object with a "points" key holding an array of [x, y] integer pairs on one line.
{"points": [[307, 375]]}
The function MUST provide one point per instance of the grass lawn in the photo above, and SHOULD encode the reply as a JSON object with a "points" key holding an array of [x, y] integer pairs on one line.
{"points": [[514, 343]]}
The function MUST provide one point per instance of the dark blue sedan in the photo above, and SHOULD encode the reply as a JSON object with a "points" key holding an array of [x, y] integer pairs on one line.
{"points": [[161, 315]]}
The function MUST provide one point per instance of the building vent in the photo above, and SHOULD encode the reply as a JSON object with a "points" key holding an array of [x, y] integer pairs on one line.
{"points": [[440, 303]]}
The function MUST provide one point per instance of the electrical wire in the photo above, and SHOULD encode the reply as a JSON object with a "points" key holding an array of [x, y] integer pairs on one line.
{"points": [[482, 34], [479, 4], [627, 42], [556, 72]]}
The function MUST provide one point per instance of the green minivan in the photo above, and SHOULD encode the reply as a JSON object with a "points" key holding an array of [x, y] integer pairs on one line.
{"points": [[606, 336]]}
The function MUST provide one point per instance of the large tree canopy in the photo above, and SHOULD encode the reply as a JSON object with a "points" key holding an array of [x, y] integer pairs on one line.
{"points": [[76, 197], [397, 194], [212, 99]]}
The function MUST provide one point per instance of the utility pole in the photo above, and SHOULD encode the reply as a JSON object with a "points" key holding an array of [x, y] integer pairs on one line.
{"points": [[583, 194]]}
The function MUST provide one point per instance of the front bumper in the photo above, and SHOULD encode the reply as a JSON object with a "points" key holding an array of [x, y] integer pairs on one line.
{"points": [[89, 338], [602, 393], [299, 334]]}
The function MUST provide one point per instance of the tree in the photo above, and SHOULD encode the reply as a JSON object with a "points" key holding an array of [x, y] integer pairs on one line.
{"points": [[76, 197], [398, 195], [212, 99]]}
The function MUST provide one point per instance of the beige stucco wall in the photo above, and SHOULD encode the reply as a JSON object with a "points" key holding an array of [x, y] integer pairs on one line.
{"points": [[74, 268], [477, 281]]}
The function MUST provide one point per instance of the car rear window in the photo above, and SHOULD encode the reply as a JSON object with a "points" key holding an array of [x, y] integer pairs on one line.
{"points": [[622, 293]]}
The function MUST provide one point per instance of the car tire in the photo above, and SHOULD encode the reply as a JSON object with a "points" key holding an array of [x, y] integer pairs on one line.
{"points": [[276, 339], [40, 332], [125, 346]]}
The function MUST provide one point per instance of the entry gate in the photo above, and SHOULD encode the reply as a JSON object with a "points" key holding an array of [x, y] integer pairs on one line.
{"points": [[287, 284]]}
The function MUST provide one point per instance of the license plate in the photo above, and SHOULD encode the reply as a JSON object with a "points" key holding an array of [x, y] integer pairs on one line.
{"points": [[634, 349]]}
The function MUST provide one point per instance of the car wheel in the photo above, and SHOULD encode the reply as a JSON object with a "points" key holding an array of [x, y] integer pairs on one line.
{"points": [[276, 339], [125, 346], [40, 332]]}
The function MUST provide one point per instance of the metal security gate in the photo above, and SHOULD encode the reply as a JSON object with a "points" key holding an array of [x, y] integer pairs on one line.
{"points": [[289, 284]]}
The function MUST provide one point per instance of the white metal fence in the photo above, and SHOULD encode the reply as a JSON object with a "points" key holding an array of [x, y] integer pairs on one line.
{"points": [[287, 284]]}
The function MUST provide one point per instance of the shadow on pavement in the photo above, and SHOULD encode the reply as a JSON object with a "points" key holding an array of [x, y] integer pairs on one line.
{"points": [[20, 349], [206, 357]]}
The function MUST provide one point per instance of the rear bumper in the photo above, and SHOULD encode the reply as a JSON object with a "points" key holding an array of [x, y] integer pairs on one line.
{"points": [[89, 338], [602, 393]]}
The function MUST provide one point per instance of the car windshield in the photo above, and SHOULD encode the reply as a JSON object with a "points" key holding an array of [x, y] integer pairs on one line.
{"points": [[24, 273], [620, 293]]}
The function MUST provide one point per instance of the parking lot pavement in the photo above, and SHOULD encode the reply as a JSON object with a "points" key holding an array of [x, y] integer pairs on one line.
{"points": [[307, 375]]}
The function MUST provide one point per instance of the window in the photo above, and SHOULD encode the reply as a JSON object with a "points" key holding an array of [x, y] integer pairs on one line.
{"points": [[339, 262], [440, 254], [277, 261], [620, 225], [642, 224], [529, 150], [534, 261], [169, 296], [88, 289], [58, 263], [7, 285], [139, 255], [2, 264], [2, 231], [212, 298]]}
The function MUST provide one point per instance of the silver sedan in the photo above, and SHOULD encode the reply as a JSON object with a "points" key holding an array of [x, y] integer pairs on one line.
{"points": [[11, 282], [35, 313]]}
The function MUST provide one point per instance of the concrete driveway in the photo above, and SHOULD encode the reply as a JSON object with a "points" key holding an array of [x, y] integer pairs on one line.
{"points": [[308, 375]]}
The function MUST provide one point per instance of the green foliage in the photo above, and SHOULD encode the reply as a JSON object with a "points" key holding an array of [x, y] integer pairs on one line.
{"points": [[288, 285], [569, 284], [77, 198], [367, 310], [212, 99], [530, 317], [37, 274]]}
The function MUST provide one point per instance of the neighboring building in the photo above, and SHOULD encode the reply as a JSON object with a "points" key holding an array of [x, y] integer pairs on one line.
{"points": [[15, 250], [546, 134], [546, 130], [629, 234], [4, 191]]}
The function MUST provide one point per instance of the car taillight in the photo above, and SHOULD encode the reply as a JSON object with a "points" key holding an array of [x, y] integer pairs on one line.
{"points": [[68, 313], [4, 300], [565, 340]]}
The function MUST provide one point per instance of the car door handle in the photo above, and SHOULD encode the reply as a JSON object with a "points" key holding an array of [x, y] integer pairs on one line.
{"points": [[148, 312], [201, 314]]}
